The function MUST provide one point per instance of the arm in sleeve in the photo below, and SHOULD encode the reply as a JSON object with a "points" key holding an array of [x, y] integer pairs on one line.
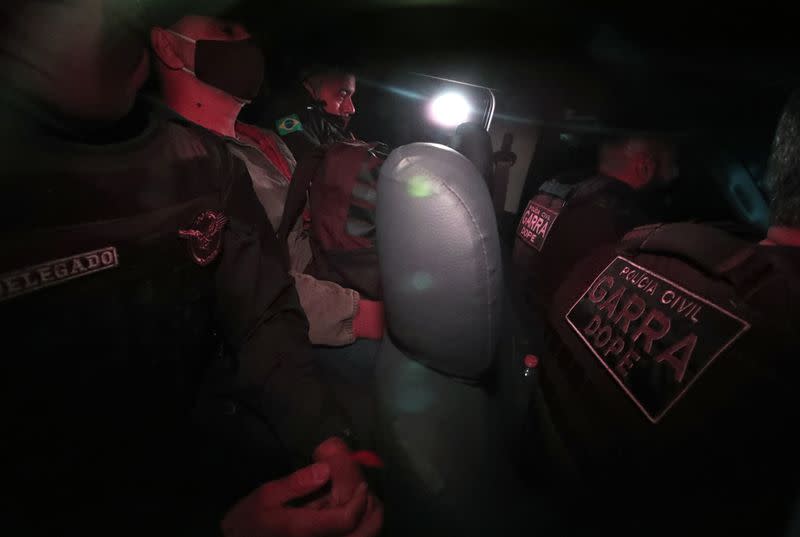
{"points": [[300, 143], [337, 315], [330, 309], [266, 328]]}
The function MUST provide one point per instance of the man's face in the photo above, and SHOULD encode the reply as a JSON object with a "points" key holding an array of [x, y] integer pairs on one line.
{"points": [[337, 92], [87, 57], [642, 163]]}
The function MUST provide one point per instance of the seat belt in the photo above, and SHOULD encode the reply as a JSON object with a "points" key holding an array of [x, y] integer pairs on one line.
{"points": [[503, 160], [297, 195]]}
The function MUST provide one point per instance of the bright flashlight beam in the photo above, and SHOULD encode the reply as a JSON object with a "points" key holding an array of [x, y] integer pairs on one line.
{"points": [[449, 110]]}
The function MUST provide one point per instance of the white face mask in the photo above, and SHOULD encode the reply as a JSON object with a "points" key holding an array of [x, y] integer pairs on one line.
{"points": [[188, 40]]}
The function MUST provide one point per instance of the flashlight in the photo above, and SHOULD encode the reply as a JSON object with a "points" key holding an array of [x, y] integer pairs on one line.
{"points": [[449, 109]]}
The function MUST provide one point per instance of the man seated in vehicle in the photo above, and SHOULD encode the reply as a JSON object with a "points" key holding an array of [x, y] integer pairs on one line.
{"points": [[676, 379], [142, 289], [570, 217], [312, 118], [318, 113], [210, 90]]}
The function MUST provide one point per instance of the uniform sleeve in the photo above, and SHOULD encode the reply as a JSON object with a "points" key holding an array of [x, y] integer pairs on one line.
{"points": [[330, 309], [303, 141], [266, 328], [300, 143]]}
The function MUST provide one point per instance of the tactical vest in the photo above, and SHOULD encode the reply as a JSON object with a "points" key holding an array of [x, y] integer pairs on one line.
{"points": [[561, 224], [673, 382], [543, 210], [107, 294]]}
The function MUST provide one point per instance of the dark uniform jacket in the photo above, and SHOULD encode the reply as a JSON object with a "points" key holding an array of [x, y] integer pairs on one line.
{"points": [[673, 393], [564, 222], [303, 124], [141, 285]]}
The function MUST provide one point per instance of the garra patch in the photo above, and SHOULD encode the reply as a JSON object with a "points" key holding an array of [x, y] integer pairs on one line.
{"points": [[49, 273], [205, 236], [536, 224], [289, 124], [653, 336]]}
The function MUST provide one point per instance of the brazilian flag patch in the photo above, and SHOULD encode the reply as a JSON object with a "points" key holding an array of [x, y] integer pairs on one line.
{"points": [[288, 125]]}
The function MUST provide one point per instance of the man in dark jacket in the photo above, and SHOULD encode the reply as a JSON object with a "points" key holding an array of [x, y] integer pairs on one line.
{"points": [[147, 306], [673, 391], [318, 113], [337, 315], [571, 215]]}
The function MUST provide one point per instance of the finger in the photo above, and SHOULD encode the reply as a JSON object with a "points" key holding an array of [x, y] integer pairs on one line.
{"points": [[345, 471], [372, 522], [331, 521], [329, 448], [296, 485], [345, 477]]}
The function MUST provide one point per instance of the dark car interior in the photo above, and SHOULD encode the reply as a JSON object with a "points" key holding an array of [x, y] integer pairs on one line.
{"points": [[541, 84], [547, 82], [565, 78]]}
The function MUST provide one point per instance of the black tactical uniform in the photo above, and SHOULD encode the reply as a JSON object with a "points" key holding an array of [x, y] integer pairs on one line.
{"points": [[144, 301], [672, 394], [304, 125], [567, 219]]}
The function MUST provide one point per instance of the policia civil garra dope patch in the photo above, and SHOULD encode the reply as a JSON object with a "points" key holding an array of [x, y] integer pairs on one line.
{"points": [[652, 335], [553, 197], [535, 224]]}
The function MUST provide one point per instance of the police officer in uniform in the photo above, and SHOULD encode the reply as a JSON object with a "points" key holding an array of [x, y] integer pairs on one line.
{"points": [[151, 331], [317, 112], [670, 400], [571, 214], [337, 316]]}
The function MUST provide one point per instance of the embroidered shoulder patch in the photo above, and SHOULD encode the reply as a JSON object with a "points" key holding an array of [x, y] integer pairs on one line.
{"points": [[289, 124], [654, 337], [205, 236], [57, 271], [536, 224]]}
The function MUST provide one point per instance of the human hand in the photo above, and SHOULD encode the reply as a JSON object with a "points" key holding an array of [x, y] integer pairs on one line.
{"points": [[265, 513]]}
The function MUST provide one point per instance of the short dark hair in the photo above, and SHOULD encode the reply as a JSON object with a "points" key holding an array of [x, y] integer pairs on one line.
{"points": [[316, 75], [782, 178], [610, 154]]}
